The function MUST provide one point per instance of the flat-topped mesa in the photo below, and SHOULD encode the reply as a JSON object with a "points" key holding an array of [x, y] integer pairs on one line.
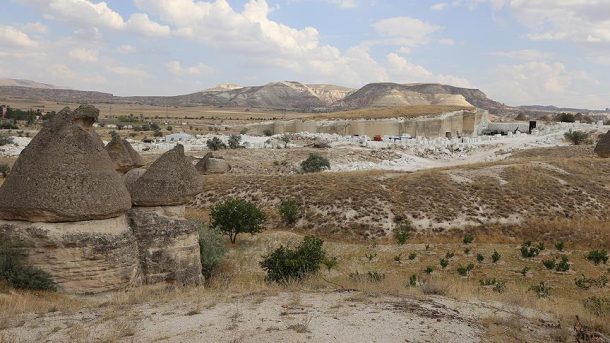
{"points": [[64, 175], [602, 149], [170, 180], [123, 154]]}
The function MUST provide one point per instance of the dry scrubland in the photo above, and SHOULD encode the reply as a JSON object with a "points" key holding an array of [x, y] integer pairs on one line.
{"points": [[543, 195]]}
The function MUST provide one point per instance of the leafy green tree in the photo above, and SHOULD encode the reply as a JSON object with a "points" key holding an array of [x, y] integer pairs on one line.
{"points": [[235, 216], [315, 163]]}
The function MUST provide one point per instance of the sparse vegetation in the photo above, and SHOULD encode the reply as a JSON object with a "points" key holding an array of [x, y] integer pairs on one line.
{"points": [[586, 283], [599, 306], [598, 256], [315, 163], [495, 257], [215, 144], [284, 264], [529, 251], [289, 210], [480, 258], [559, 246], [576, 137], [268, 132], [403, 232], [16, 273], [468, 238], [236, 216], [372, 276], [234, 142], [541, 290], [211, 250], [444, 263]]}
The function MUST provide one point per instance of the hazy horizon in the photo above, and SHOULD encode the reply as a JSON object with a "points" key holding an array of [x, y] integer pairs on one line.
{"points": [[517, 52]]}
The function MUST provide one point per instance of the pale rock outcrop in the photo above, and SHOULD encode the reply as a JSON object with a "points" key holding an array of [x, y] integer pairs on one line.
{"points": [[123, 155], [602, 149], [66, 205], [211, 164], [168, 244]]}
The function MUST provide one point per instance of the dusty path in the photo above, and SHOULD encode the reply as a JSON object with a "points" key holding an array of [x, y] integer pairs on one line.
{"points": [[282, 317]]}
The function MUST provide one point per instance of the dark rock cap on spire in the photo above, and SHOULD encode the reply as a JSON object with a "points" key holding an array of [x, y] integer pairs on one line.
{"points": [[64, 174], [170, 180], [123, 154], [602, 149]]}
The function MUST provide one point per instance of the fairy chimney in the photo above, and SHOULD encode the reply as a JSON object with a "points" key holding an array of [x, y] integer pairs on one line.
{"points": [[602, 149], [123, 154]]}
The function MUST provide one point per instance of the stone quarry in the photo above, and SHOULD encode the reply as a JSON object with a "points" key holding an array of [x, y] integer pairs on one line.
{"points": [[71, 212]]}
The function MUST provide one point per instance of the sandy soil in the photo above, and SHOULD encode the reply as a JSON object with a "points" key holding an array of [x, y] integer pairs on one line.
{"points": [[341, 316]]}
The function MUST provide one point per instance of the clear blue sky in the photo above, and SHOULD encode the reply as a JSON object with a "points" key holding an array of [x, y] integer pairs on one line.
{"points": [[518, 52]]}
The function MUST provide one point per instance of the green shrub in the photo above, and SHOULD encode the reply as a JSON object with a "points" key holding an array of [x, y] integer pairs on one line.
{"points": [[464, 271], [234, 141], [5, 140], [330, 262], [576, 137], [480, 258], [289, 210], [268, 132], [449, 255], [466, 251], [563, 265], [468, 238], [586, 283], [429, 270], [413, 280], [499, 287], [284, 264], [495, 257], [235, 216], [373, 276], [598, 306], [565, 117], [14, 271], [529, 251], [211, 250], [541, 290], [215, 144], [444, 263], [598, 256], [412, 256], [403, 232], [549, 264], [560, 246], [315, 163]]}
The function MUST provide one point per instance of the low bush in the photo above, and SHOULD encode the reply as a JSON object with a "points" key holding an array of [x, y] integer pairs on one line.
{"points": [[444, 263], [315, 163], [211, 250], [529, 251], [563, 265], [412, 256], [549, 264], [413, 280], [215, 144], [480, 258], [289, 210], [468, 238], [268, 132], [598, 256], [330, 262], [234, 141], [586, 283], [560, 246], [576, 137], [429, 270], [495, 257], [599, 306], [541, 290], [403, 232], [373, 276], [464, 271], [19, 275], [284, 264]]}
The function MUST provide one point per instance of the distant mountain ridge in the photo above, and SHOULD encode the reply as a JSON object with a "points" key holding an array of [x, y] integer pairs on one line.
{"points": [[27, 83], [283, 95]]}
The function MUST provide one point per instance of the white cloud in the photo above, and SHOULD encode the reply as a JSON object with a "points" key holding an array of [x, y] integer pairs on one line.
{"points": [[405, 31], [36, 28], [126, 49], [84, 54], [439, 6], [134, 72], [12, 37], [536, 82], [569, 20], [345, 3], [401, 69], [141, 23], [447, 41], [176, 68], [524, 55]]}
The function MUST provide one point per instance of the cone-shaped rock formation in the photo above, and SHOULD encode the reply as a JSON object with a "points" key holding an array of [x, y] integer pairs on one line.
{"points": [[123, 154], [602, 149]]}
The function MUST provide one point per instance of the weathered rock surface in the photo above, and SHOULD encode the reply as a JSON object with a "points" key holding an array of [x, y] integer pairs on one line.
{"points": [[602, 149], [64, 175], [170, 180], [211, 164], [123, 154], [132, 176], [168, 244], [82, 257]]}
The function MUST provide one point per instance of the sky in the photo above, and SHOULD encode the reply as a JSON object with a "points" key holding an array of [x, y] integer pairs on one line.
{"points": [[547, 52]]}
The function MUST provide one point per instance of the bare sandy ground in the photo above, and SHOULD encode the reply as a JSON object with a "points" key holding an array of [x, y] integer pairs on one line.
{"points": [[340, 316]]}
